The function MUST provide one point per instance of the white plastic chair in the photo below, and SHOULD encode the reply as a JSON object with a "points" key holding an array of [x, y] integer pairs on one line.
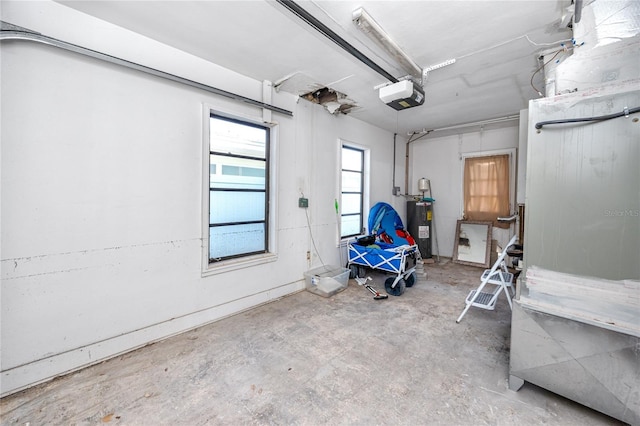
{"points": [[498, 278]]}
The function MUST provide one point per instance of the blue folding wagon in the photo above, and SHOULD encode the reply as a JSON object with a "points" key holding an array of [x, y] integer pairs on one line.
{"points": [[388, 248]]}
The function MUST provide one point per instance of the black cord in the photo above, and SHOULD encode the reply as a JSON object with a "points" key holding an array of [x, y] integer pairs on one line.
{"points": [[624, 113]]}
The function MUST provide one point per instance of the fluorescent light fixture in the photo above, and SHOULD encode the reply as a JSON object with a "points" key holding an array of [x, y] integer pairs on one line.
{"points": [[374, 31]]}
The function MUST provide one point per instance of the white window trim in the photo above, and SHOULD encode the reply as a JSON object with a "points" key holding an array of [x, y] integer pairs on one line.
{"points": [[366, 205], [247, 261], [512, 173]]}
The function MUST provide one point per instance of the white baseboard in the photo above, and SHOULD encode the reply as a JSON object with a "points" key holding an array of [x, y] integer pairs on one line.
{"points": [[24, 376]]}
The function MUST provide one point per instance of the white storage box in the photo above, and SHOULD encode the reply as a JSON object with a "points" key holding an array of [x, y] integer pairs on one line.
{"points": [[327, 280]]}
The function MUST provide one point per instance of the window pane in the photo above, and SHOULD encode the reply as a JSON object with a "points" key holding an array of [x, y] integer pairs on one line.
{"points": [[351, 191], [486, 188], [350, 225], [351, 181], [238, 173], [351, 203], [234, 206], [238, 177], [236, 239], [243, 171], [351, 159], [237, 138]]}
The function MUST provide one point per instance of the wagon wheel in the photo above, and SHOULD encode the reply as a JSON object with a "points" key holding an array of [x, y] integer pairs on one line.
{"points": [[353, 271], [356, 271], [398, 289], [410, 280], [362, 271]]}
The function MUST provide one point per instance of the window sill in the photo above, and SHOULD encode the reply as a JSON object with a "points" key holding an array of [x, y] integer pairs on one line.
{"points": [[235, 264]]}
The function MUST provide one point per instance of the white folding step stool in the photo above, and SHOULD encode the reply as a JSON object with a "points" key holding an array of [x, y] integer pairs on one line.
{"points": [[498, 279]]}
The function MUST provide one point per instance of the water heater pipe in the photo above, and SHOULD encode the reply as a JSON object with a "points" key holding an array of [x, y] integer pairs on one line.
{"points": [[394, 163], [406, 157], [425, 132], [406, 168]]}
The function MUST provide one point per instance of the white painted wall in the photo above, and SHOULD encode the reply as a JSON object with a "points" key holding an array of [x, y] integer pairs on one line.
{"points": [[323, 134], [439, 159], [101, 196]]}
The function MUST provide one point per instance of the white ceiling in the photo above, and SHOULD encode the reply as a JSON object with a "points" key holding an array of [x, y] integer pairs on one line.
{"points": [[495, 44]]}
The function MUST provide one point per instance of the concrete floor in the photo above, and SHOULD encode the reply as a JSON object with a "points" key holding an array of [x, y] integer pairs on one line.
{"points": [[308, 360]]}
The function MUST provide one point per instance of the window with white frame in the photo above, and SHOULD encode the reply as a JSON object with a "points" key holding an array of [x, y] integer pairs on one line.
{"points": [[238, 188], [352, 191]]}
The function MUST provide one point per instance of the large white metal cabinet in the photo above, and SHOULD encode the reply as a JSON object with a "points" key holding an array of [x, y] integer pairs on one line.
{"points": [[583, 183], [576, 319]]}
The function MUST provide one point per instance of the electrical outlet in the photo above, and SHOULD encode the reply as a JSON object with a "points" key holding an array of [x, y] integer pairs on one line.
{"points": [[308, 255], [303, 202]]}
